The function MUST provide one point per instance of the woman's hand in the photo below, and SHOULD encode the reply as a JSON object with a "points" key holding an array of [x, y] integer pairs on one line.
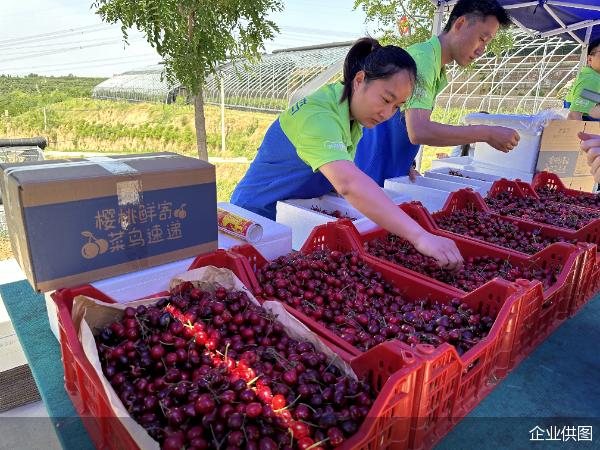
{"points": [[364, 194], [590, 143], [442, 249]]}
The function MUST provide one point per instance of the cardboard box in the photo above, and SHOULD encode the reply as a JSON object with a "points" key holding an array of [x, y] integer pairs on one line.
{"points": [[560, 153], [79, 220]]}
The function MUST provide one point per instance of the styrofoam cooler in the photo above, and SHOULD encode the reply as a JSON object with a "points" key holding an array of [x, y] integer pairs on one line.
{"points": [[475, 182], [276, 239], [397, 197], [524, 155], [128, 287], [11, 353], [301, 218], [434, 183], [433, 199], [454, 162], [480, 177], [468, 163]]}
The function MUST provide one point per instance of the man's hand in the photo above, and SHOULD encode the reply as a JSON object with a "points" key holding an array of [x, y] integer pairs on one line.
{"points": [[590, 143], [502, 138], [413, 174]]}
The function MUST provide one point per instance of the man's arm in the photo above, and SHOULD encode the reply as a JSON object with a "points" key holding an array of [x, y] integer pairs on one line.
{"points": [[575, 115], [422, 130], [595, 112]]}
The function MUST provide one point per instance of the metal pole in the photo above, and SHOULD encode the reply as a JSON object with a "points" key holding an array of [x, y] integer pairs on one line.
{"points": [[438, 17], [222, 115], [584, 48]]}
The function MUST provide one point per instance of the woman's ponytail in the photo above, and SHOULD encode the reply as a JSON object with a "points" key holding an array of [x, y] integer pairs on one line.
{"points": [[376, 61]]}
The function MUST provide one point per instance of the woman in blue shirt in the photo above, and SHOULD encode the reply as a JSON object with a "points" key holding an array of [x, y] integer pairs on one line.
{"points": [[309, 150]]}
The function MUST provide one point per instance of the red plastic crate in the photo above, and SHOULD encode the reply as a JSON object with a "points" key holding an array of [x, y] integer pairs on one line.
{"points": [[392, 372], [595, 279], [505, 185], [225, 260], [588, 233], [450, 385], [467, 199], [557, 298], [526, 189], [81, 380], [552, 181]]}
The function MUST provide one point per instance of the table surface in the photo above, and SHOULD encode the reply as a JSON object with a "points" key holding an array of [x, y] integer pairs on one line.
{"points": [[558, 385]]}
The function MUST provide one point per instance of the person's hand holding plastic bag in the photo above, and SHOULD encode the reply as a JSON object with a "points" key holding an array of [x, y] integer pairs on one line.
{"points": [[590, 143]]}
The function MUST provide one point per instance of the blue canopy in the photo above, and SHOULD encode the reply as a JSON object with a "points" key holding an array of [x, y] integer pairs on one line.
{"points": [[575, 20]]}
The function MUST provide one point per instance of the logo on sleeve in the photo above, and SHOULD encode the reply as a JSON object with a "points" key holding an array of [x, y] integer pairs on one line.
{"points": [[298, 105], [335, 146]]}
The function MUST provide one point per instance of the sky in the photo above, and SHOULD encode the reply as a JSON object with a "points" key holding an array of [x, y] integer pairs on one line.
{"points": [[60, 37]]}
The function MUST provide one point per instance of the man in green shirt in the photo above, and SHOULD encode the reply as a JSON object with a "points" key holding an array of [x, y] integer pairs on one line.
{"points": [[388, 150], [581, 108]]}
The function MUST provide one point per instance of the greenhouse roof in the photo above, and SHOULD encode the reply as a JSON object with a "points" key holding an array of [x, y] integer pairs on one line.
{"points": [[144, 84], [272, 82]]}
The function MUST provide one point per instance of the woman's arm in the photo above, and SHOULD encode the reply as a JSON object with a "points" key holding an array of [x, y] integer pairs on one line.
{"points": [[366, 196]]}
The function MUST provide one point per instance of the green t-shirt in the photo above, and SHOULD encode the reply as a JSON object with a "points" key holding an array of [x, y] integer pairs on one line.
{"points": [[588, 79], [319, 127], [431, 76]]}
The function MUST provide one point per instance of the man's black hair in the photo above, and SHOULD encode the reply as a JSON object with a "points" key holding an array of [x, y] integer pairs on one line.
{"points": [[593, 46], [479, 9]]}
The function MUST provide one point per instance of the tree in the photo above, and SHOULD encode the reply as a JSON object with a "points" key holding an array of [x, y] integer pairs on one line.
{"points": [[419, 19], [196, 37]]}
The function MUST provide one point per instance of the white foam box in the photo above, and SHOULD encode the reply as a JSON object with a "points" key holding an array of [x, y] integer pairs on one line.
{"points": [[467, 163], [433, 199], [128, 287], [455, 162], [276, 240], [394, 196], [11, 352], [479, 177], [475, 182], [524, 155], [301, 218]]}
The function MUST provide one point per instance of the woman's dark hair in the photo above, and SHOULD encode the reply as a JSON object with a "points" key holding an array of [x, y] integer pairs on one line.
{"points": [[478, 9], [593, 46], [378, 62]]}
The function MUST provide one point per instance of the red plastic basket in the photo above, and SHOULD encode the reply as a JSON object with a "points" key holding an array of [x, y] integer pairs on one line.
{"points": [[225, 260], [586, 254], [553, 182], [557, 298], [588, 233], [450, 385], [505, 185], [392, 372], [81, 381], [595, 279]]}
